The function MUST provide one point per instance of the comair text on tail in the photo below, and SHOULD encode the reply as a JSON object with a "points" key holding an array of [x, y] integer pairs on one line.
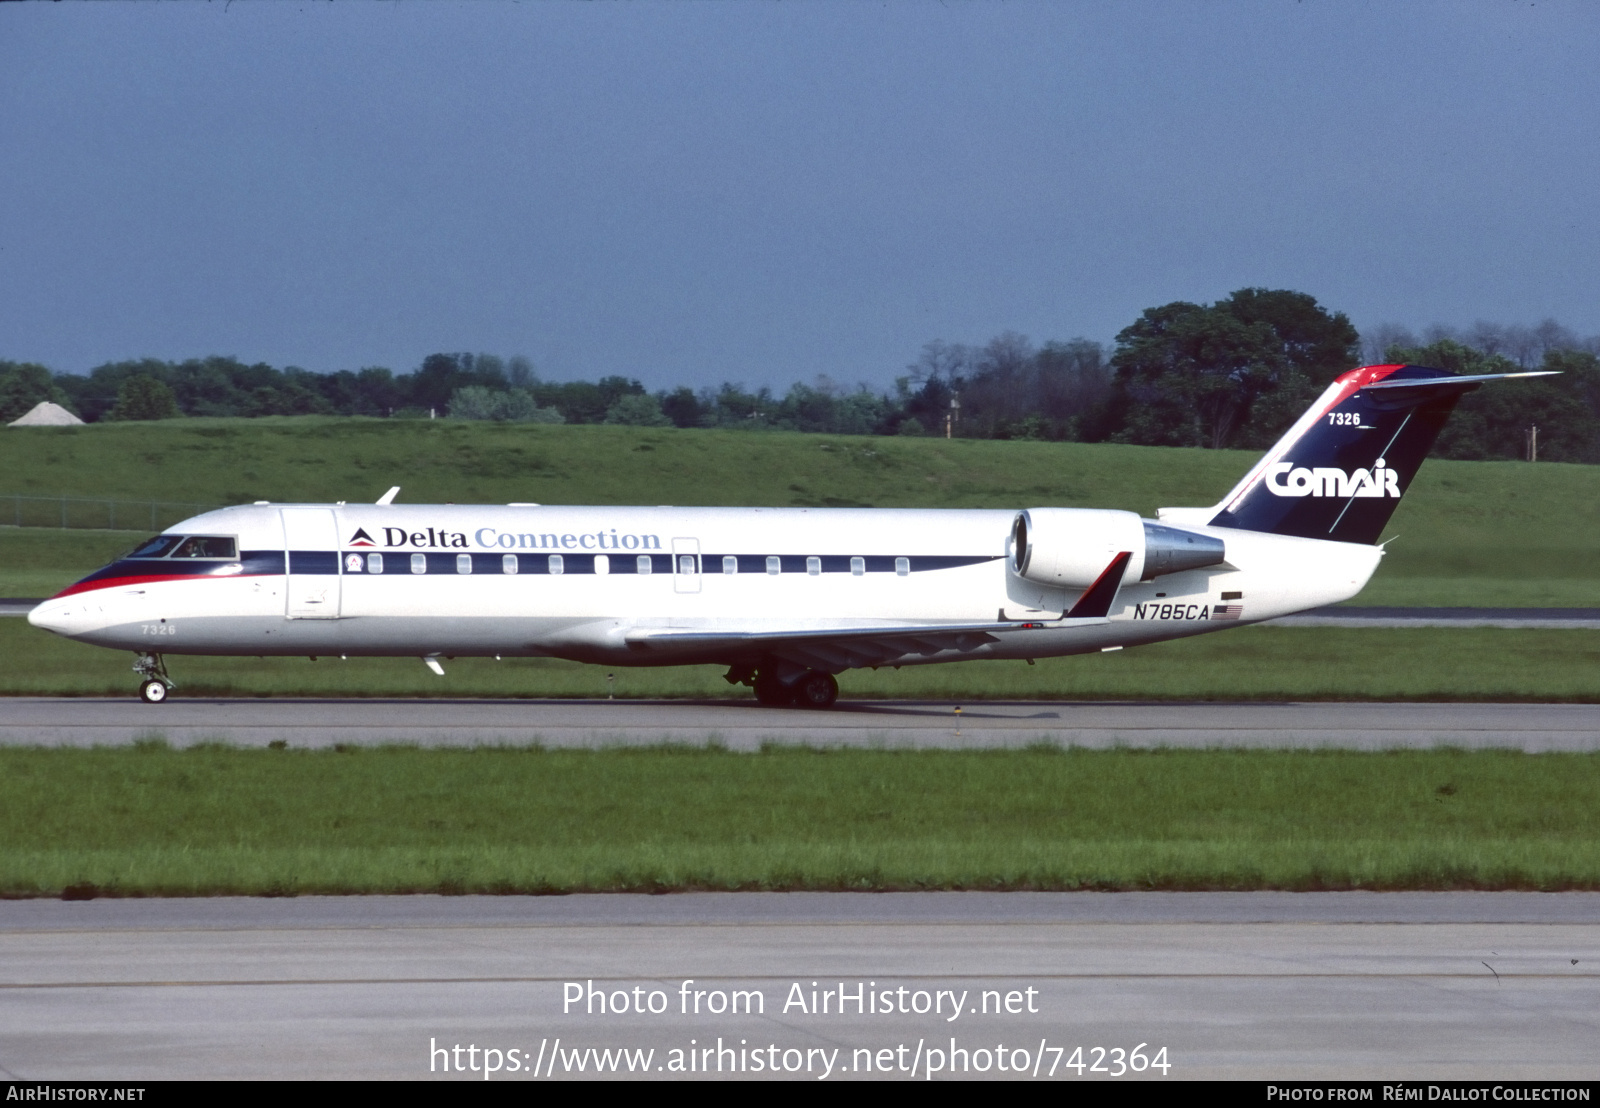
{"points": [[786, 598], [1340, 471]]}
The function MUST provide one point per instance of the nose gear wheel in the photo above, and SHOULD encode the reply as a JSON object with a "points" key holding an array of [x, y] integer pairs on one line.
{"points": [[156, 684]]}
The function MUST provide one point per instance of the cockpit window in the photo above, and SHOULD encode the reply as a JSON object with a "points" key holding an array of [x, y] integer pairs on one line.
{"points": [[208, 546], [158, 547]]}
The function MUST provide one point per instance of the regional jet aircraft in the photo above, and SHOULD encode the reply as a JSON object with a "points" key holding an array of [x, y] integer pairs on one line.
{"points": [[786, 598]]}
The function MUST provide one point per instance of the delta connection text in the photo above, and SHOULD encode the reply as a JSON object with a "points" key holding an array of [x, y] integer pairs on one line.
{"points": [[488, 538]]}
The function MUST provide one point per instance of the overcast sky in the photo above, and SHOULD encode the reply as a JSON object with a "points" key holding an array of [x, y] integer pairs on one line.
{"points": [[765, 192]]}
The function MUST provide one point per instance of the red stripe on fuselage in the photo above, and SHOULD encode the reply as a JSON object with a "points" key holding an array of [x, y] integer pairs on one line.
{"points": [[123, 582]]}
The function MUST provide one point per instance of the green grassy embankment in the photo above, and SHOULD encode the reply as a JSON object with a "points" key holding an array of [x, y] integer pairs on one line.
{"points": [[211, 820]]}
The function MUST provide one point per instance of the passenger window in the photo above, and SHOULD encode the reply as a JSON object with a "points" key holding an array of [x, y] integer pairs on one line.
{"points": [[207, 546], [557, 564], [814, 566], [158, 547], [902, 566], [858, 566], [374, 563], [463, 563], [642, 564], [419, 563], [774, 564], [686, 563], [730, 564], [508, 563]]}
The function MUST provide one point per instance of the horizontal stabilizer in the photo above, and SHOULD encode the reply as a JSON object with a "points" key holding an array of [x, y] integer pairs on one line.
{"points": [[1453, 382]]}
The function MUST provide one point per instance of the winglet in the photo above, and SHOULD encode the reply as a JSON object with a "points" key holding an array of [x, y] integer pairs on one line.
{"points": [[1095, 603], [388, 498]]}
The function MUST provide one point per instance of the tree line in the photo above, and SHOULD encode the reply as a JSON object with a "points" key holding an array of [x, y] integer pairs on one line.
{"points": [[1233, 373]]}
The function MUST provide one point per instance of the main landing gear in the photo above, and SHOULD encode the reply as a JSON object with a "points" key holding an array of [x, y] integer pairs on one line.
{"points": [[785, 683], [156, 684]]}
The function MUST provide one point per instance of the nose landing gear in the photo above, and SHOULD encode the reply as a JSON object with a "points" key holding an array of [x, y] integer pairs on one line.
{"points": [[156, 684]]}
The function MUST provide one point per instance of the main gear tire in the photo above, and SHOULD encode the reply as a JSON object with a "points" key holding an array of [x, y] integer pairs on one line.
{"points": [[816, 690], [153, 691]]}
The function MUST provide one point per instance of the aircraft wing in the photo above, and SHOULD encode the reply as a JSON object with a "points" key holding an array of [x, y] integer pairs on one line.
{"points": [[837, 648]]}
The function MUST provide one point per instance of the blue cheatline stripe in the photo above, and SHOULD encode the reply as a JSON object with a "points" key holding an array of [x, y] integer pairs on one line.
{"points": [[327, 562], [313, 561], [399, 561]]}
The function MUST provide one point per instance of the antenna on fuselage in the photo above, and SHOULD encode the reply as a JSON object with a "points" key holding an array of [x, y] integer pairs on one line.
{"points": [[388, 498]]}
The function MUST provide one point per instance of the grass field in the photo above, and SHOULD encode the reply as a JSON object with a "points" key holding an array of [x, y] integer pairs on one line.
{"points": [[156, 821]]}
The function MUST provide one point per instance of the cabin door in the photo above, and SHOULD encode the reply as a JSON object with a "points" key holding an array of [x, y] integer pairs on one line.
{"points": [[311, 538], [686, 565]]}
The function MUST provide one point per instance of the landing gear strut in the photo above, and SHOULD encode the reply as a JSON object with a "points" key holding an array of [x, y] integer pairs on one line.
{"points": [[771, 690], [156, 684]]}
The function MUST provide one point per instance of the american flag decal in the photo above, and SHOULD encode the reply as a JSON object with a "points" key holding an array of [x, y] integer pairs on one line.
{"points": [[1227, 611]]}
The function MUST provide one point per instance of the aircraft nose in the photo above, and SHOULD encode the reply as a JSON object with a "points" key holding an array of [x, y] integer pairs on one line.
{"points": [[54, 615]]}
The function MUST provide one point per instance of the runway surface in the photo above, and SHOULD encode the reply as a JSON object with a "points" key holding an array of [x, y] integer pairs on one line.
{"points": [[1253, 985], [743, 725]]}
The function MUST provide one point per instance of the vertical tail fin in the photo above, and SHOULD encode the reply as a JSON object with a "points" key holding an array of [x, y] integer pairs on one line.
{"points": [[1340, 471]]}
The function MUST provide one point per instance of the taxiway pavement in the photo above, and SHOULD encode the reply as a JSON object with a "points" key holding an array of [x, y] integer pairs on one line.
{"points": [[1249, 985], [744, 725]]}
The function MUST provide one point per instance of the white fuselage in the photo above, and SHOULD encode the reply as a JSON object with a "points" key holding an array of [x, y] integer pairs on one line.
{"points": [[633, 586]]}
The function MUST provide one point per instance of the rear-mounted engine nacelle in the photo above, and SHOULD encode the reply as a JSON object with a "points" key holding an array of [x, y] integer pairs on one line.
{"points": [[1071, 547]]}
